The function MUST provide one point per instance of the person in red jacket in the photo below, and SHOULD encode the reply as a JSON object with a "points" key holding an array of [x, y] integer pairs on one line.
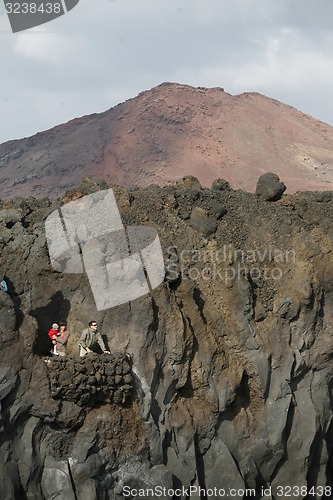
{"points": [[61, 339], [53, 334]]}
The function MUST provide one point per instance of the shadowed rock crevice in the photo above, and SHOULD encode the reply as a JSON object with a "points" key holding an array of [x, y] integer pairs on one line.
{"points": [[200, 467], [285, 436], [56, 310], [200, 302]]}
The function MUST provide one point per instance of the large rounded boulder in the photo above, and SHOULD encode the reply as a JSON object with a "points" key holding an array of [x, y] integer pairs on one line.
{"points": [[270, 187]]}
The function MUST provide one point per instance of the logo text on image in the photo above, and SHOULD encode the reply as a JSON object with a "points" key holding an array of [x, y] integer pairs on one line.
{"points": [[24, 15], [228, 264], [87, 235]]}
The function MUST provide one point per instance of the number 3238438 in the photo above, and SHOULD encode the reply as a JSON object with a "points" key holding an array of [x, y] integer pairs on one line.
{"points": [[302, 491], [33, 8]]}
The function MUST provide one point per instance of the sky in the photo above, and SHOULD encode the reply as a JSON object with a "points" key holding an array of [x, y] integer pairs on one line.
{"points": [[104, 52]]}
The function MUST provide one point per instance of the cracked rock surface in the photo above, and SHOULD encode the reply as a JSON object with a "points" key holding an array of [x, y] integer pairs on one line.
{"points": [[229, 383]]}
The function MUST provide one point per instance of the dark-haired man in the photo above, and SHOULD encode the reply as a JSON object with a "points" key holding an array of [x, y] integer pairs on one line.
{"points": [[89, 338]]}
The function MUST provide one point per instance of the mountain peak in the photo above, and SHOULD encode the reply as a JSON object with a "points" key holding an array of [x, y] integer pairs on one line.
{"points": [[170, 131]]}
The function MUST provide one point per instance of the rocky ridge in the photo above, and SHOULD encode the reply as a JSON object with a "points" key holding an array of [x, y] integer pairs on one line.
{"points": [[231, 355]]}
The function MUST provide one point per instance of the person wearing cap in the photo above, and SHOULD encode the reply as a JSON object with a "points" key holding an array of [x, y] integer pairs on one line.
{"points": [[89, 338], [53, 333]]}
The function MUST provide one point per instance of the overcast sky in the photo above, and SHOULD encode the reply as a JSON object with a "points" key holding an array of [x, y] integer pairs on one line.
{"points": [[105, 51]]}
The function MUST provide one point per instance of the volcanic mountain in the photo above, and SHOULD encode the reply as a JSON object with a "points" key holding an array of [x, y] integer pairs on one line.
{"points": [[171, 131]]}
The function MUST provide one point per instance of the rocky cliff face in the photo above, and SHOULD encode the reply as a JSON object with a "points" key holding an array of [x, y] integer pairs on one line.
{"points": [[231, 357]]}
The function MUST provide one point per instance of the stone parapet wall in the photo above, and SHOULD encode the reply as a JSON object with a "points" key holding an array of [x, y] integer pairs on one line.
{"points": [[91, 380]]}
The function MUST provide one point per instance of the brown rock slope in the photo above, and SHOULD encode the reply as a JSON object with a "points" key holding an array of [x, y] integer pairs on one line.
{"points": [[171, 131], [231, 355]]}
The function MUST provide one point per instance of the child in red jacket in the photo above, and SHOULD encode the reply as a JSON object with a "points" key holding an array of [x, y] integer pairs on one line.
{"points": [[53, 334]]}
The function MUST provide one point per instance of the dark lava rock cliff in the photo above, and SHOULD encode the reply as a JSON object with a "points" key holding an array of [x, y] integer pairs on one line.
{"points": [[229, 380]]}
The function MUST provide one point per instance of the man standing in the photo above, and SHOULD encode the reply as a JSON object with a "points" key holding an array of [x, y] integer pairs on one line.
{"points": [[90, 336]]}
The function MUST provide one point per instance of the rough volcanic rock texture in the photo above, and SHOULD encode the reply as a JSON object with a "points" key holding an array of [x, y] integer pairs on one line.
{"points": [[91, 380], [170, 131], [231, 356], [270, 187]]}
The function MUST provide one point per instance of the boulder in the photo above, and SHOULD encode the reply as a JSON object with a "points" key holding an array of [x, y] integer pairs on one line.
{"points": [[269, 187], [202, 222]]}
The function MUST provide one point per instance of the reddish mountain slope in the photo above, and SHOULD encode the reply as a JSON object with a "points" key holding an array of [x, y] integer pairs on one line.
{"points": [[170, 131]]}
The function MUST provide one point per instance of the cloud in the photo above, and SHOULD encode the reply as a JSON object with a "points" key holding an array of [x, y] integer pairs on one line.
{"points": [[104, 52], [43, 46]]}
